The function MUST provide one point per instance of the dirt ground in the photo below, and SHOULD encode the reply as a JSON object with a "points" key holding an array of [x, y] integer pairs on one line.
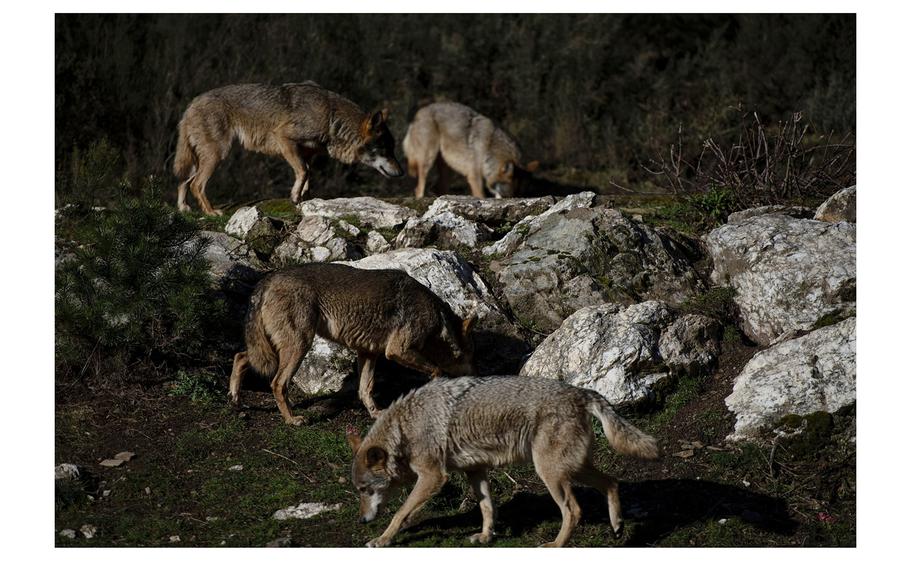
{"points": [[182, 487]]}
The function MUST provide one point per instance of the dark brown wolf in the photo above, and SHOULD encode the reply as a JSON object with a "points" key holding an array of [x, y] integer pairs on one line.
{"points": [[473, 424], [375, 312], [296, 121]]}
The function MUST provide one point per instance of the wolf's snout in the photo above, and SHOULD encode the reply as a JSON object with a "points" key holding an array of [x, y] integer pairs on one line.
{"points": [[395, 170], [364, 520]]}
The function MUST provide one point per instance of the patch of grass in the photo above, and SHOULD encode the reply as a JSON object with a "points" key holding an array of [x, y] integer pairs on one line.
{"points": [[717, 303], [684, 392], [200, 386], [279, 208], [830, 319], [198, 444]]}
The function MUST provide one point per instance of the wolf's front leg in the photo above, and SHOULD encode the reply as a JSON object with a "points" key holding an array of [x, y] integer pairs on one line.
{"points": [[480, 483], [429, 482]]}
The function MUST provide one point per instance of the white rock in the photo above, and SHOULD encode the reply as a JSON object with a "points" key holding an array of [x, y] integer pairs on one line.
{"points": [[304, 511], [787, 273], [317, 239], [839, 207], [815, 372], [242, 221], [369, 211], [376, 243], [88, 531], [325, 368], [68, 533], [608, 348], [445, 229], [490, 211], [66, 471]]}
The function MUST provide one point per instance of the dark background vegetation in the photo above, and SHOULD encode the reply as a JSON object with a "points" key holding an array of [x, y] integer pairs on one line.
{"points": [[594, 98], [687, 116]]}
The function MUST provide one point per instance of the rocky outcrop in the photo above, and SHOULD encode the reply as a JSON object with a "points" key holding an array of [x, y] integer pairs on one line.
{"points": [[233, 264], [575, 255], [815, 372], [796, 211], [255, 228], [787, 273], [624, 353], [445, 229], [318, 239], [492, 212], [839, 207], [327, 367], [365, 212]]}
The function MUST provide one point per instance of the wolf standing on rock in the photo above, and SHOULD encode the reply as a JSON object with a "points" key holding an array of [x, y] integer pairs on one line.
{"points": [[473, 424], [456, 137], [374, 312], [295, 120]]}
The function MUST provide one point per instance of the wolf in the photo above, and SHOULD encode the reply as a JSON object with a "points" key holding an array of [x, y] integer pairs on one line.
{"points": [[294, 120], [375, 312], [457, 137], [472, 424]]}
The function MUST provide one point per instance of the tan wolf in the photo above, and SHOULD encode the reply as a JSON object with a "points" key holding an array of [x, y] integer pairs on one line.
{"points": [[472, 424], [456, 137], [374, 312], [295, 120]]}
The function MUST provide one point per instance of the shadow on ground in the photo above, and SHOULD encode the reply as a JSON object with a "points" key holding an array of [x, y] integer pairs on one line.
{"points": [[657, 508]]}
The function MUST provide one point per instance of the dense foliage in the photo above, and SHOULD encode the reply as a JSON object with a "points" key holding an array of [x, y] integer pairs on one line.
{"points": [[132, 284], [593, 97]]}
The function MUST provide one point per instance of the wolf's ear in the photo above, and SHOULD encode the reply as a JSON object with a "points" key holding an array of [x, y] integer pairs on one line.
{"points": [[467, 324], [354, 439], [378, 119], [376, 457], [532, 167]]}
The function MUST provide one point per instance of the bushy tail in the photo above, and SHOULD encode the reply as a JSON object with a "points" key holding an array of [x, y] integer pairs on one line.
{"points": [[625, 438], [260, 352], [184, 161]]}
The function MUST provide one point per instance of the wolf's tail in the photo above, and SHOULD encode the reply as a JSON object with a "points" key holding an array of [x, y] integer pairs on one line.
{"points": [[625, 438], [260, 352], [184, 161]]}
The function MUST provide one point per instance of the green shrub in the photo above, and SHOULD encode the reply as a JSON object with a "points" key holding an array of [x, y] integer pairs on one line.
{"points": [[199, 386], [133, 285]]}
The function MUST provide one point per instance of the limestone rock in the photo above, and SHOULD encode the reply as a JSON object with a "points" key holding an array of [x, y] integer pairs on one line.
{"points": [[815, 372], [787, 273], [839, 207]]}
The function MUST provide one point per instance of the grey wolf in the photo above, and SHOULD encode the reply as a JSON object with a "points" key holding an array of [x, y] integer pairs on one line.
{"points": [[472, 424], [295, 120], [375, 312], [457, 137]]}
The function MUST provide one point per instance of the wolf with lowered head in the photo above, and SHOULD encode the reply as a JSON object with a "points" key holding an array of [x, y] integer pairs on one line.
{"points": [[296, 121], [374, 312], [473, 424]]}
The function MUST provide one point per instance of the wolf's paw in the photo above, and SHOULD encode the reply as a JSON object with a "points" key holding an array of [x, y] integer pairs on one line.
{"points": [[481, 538], [296, 421], [549, 545], [217, 212], [378, 542], [618, 529]]}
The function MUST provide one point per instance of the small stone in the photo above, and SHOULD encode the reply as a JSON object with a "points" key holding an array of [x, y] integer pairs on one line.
{"points": [[237, 467], [66, 471], [746, 483], [68, 533], [106, 493], [282, 542], [685, 454], [148, 490], [111, 463], [342, 480], [212, 519], [722, 521], [125, 456], [174, 538], [88, 531]]}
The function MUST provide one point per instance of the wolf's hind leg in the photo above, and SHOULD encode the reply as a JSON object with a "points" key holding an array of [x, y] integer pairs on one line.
{"points": [[241, 364], [367, 365], [181, 194], [289, 360], [558, 483], [290, 152], [480, 483], [207, 164], [592, 477]]}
